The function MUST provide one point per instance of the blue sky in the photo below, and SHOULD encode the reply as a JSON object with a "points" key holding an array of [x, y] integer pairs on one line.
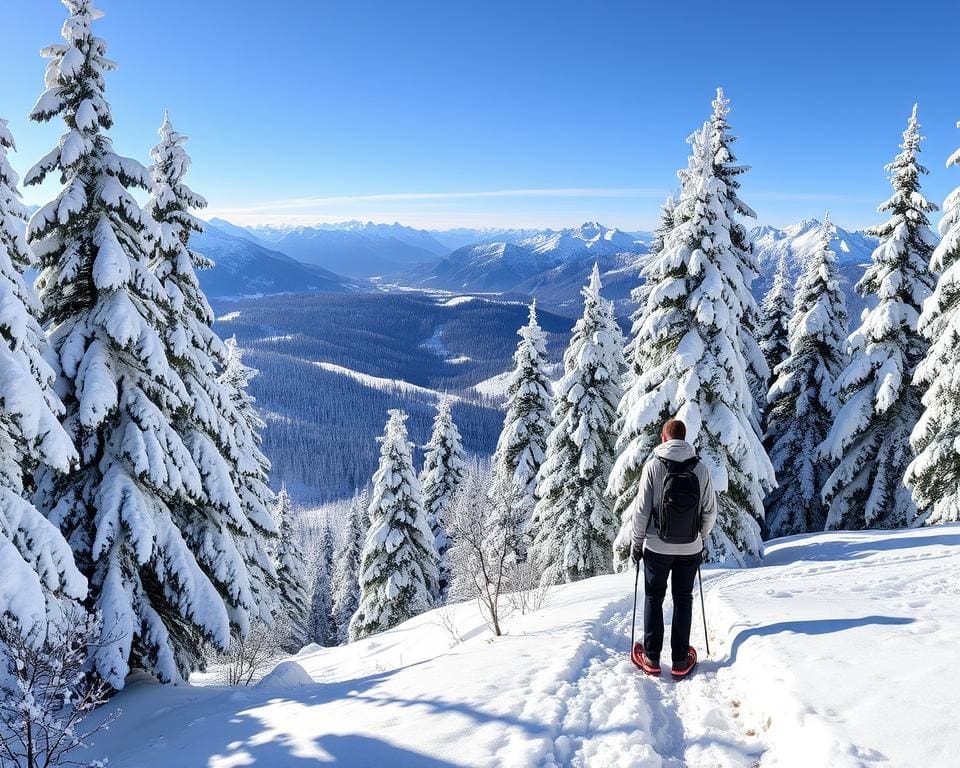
{"points": [[513, 113]]}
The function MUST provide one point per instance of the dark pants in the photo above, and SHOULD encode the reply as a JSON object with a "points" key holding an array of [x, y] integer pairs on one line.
{"points": [[682, 570]]}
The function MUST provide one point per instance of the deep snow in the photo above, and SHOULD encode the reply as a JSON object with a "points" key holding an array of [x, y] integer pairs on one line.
{"points": [[839, 650]]}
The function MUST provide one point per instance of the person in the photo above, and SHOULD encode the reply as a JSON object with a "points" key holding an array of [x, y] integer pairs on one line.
{"points": [[669, 539]]}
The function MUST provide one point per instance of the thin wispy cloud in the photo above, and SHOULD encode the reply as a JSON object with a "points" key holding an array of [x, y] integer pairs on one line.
{"points": [[552, 207], [811, 197], [299, 203]]}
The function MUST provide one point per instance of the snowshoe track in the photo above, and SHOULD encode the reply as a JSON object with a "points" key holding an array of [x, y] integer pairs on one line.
{"points": [[606, 714]]}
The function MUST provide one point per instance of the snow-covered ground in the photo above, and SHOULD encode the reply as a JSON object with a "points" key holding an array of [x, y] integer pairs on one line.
{"points": [[386, 385], [840, 650], [495, 386]]}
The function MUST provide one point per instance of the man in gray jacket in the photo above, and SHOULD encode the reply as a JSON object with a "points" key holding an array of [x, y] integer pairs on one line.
{"points": [[668, 545]]}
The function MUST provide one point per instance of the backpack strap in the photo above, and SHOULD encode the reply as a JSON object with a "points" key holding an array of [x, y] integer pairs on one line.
{"points": [[673, 465]]}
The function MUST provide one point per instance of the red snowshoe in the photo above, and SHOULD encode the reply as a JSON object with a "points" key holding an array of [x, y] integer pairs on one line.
{"points": [[691, 661], [637, 657]]}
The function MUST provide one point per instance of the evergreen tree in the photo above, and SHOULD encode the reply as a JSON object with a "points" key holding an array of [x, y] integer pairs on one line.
{"points": [[346, 571], [775, 315], [934, 475], [229, 544], [634, 359], [664, 225], [105, 309], [249, 468], [688, 352], [36, 563], [639, 294], [879, 403], [802, 402], [575, 523], [523, 439], [725, 168], [291, 575], [399, 573], [443, 468], [323, 630]]}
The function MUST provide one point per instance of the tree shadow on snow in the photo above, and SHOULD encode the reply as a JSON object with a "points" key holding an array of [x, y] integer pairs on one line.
{"points": [[810, 627], [283, 748], [342, 751], [362, 751], [854, 545]]}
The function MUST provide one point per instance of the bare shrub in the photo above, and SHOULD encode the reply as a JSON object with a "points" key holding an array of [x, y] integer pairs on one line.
{"points": [[46, 693], [447, 622], [481, 556], [528, 590], [249, 658]]}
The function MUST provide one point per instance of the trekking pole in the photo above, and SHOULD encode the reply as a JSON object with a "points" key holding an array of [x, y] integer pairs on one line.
{"points": [[633, 623], [703, 611]]}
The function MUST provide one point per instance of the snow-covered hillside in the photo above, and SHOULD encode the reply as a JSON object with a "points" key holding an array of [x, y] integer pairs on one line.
{"points": [[836, 652]]}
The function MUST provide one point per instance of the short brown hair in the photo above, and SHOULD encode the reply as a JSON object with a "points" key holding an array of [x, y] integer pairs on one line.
{"points": [[675, 429]]}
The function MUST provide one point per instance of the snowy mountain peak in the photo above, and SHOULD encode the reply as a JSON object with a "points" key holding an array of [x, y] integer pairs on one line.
{"points": [[589, 236], [802, 227], [797, 242], [537, 264]]}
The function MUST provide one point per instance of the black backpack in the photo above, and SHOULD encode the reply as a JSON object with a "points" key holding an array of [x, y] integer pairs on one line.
{"points": [[678, 519]]}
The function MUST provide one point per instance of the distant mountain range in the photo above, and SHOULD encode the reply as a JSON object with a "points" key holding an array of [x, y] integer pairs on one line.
{"points": [[457, 238], [244, 267], [353, 248], [551, 265]]}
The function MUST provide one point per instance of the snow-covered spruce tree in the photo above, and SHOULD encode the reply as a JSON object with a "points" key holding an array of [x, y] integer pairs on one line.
{"points": [[880, 404], [727, 171], [250, 470], [688, 352], [346, 570], [323, 630], [443, 468], [934, 475], [294, 600], [523, 439], [227, 536], [634, 359], [574, 523], [802, 401], [664, 225], [639, 294], [105, 310], [775, 313], [398, 572], [36, 563]]}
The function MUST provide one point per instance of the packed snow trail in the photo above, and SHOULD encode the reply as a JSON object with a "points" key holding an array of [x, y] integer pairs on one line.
{"points": [[613, 715], [559, 690]]}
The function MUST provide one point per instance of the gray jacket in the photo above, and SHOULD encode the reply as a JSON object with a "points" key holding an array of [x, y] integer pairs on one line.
{"points": [[648, 500]]}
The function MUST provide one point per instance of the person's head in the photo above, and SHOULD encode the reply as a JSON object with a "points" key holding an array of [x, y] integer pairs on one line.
{"points": [[674, 429]]}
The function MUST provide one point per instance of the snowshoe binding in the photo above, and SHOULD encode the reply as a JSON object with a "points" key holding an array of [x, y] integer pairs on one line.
{"points": [[682, 669], [648, 665]]}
